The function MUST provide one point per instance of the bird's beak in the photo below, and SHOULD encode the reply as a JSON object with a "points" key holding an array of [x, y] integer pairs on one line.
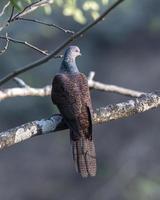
{"points": [[80, 54]]}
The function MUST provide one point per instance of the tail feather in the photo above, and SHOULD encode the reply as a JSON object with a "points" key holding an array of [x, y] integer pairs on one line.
{"points": [[84, 156]]}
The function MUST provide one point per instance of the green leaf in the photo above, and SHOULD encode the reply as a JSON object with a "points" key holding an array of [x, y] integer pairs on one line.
{"points": [[29, 1], [105, 2], [59, 2], [90, 5], [48, 9], [68, 11], [17, 4], [79, 17]]}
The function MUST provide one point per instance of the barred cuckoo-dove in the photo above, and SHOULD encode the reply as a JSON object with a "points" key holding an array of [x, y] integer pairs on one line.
{"points": [[70, 92]]}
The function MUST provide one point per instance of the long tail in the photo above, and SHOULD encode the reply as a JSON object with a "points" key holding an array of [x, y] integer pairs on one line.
{"points": [[84, 156]]}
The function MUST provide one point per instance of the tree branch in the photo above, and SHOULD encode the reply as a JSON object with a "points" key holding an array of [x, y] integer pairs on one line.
{"points": [[11, 15], [44, 52], [26, 90], [47, 24], [28, 9], [4, 8], [61, 47], [111, 88], [101, 115], [114, 89], [21, 83], [6, 46], [32, 7]]}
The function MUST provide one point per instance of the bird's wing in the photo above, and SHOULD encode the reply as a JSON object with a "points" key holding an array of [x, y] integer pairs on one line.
{"points": [[71, 95], [67, 97], [87, 105]]}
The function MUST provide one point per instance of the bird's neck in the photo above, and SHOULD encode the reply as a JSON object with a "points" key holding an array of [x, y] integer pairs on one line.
{"points": [[69, 66]]}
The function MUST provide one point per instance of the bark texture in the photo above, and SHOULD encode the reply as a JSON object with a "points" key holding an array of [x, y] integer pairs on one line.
{"points": [[101, 115]]}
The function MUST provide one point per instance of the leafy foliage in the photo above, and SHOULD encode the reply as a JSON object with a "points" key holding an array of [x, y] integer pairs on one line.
{"points": [[74, 8]]}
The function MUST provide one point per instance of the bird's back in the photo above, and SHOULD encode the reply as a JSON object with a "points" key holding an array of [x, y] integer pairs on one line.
{"points": [[70, 93], [71, 90]]}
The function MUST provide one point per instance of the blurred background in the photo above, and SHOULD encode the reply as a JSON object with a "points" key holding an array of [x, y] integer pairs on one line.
{"points": [[123, 50]]}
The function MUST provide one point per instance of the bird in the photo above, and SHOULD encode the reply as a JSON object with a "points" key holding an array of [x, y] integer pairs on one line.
{"points": [[70, 93]]}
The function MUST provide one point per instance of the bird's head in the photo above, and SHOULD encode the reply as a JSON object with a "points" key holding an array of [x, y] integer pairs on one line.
{"points": [[73, 52]]}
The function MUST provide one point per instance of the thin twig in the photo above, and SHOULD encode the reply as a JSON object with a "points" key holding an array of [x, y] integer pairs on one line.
{"points": [[4, 24], [25, 91], [47, 24], [91, 75], [28, 9], [61, 47], [58, 56], [44, 52], [6, 46], [31, 7], [4, 8], [101, 115], [12, 12], [20, 83]]}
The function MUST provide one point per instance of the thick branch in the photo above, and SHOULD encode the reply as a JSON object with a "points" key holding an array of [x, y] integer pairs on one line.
{"points": [[61, 47], [26, 91], [101, 115]]}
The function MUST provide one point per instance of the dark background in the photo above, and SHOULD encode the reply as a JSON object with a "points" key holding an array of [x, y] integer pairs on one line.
{"points": [[123, 50]]}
